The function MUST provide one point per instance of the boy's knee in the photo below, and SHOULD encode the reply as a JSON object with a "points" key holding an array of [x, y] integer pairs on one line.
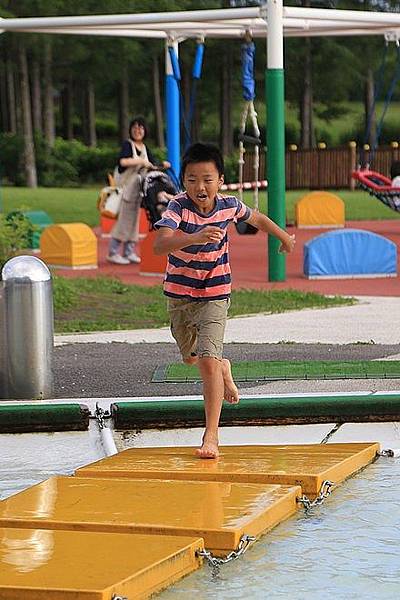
{"points": [[209, 364]]}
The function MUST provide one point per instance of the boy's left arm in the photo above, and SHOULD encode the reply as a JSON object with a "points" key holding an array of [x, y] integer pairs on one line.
{"points": [[263, 223]]}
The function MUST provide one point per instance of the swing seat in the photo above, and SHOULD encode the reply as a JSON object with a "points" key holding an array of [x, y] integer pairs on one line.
{"points": [[249, 139], [379, 186]]}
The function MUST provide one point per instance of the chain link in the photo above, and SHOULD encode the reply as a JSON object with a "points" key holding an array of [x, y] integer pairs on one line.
{"points": [[100, 414], [324, 492], [115, 597], [390, 452], [216, 563]]}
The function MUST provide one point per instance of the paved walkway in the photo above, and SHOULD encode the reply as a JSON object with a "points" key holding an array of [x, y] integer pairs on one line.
{"points": [[374, 320]]}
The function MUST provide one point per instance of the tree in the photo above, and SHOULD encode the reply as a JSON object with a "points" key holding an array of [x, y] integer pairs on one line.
{"points": [[29, 151]]}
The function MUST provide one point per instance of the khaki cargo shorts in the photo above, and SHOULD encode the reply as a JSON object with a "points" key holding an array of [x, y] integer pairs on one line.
{"points": [[198, 326]]}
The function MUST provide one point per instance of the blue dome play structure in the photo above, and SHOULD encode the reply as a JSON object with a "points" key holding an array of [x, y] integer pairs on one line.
{"points": [[350, 253]]}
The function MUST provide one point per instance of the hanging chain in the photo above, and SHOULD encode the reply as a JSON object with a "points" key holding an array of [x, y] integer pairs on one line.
{"points": [[100, 415], [324, 492], [216, 563], [115, 597], [390, 452]]}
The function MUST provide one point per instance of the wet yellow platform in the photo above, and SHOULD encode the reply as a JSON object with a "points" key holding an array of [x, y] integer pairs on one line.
{"points": [[305, 465], [37, 564], [221, 513]]}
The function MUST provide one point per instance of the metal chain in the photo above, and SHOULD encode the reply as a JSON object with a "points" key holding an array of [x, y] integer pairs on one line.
{"points": [[100, 414], [216, 563], [390, 452], [115, 597], [324, 492]]}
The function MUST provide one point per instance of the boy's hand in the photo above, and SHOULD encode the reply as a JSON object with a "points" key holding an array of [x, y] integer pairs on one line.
{"points": [[208, 235], [287, 245]]}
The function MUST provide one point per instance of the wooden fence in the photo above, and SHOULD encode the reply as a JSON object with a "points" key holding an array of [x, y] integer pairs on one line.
{"points": [[324, 168]]}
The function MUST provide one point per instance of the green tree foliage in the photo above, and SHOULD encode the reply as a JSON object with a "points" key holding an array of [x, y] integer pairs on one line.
{"points": [[340, 69]]}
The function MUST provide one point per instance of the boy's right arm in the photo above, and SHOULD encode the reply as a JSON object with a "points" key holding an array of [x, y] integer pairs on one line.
{"points": [[167, 239]]}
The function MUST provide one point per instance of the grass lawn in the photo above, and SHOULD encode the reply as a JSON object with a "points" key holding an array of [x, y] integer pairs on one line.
{"points": [[66, 205], [288, 370], [105, 304]]}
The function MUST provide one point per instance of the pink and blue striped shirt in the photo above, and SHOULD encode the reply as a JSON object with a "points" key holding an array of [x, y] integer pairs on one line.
{"points": [[200, 272]]}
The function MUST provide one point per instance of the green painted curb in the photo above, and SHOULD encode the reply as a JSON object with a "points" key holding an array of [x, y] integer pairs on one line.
{"points": [[258, 411], [24, 418]]}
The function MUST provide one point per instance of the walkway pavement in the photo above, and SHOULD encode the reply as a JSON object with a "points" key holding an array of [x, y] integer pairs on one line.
{"points": [[374, 320]]}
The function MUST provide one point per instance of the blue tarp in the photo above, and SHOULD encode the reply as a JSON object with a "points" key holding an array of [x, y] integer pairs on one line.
{"points": [[350, 253]]}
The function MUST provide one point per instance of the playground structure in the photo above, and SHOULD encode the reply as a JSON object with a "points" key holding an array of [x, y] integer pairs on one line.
{"points": [[350, 253], [48, 537], [69, 246], [176, 26], [319, 209]]}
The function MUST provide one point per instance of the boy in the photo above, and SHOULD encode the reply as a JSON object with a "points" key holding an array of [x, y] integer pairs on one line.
{"points": [[193, 232]]}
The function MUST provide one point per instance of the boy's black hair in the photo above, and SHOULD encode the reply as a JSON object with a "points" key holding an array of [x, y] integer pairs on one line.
{"points": [[202, 153], [395, 169], [139, 121]]}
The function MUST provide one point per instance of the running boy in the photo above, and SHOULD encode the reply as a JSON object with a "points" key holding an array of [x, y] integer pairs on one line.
{"points": [[193, 232]]}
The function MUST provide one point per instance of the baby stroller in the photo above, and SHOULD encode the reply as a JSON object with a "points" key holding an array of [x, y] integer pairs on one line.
{"points": [[157, 190]]}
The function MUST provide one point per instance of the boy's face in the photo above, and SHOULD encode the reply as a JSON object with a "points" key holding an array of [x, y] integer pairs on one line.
{"points": [[202, 182]]}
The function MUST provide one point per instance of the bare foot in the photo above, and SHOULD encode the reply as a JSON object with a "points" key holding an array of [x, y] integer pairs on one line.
{"points": [[209, 448], [231, 393]]}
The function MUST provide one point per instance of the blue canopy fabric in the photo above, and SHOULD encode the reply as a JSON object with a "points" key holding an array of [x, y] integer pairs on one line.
{"points": [[248, 84], [350, 253]]}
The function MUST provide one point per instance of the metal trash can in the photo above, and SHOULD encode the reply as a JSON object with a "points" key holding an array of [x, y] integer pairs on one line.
{"points": [[3, 351], [29, 328]]}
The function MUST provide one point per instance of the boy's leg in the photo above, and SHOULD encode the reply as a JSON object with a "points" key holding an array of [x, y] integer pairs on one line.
{"points": [[213, 392], [198, 328], [231, 393]]}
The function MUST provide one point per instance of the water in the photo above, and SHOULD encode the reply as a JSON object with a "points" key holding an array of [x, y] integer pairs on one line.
{"points": [[28, 458], [347, 548]]}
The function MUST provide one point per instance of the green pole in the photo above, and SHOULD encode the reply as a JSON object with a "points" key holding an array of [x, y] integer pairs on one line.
{"points": [[274, 81], [275, 126]]}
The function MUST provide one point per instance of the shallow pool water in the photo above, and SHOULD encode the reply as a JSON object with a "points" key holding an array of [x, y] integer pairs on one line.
{"points": [[346, 549]]}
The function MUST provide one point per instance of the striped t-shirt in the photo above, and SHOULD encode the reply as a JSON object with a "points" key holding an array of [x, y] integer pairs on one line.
{"points": [[200, 272]]}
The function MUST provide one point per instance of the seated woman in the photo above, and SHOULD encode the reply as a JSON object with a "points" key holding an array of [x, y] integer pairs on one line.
{"points": [[134, 157]]}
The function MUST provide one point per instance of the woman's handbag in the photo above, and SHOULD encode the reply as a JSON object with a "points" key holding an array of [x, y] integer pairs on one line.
{"points": [[110, 202]]}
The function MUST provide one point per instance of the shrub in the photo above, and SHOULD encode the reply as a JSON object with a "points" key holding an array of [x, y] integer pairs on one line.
{"points": [[232, 168], [15, 231]]}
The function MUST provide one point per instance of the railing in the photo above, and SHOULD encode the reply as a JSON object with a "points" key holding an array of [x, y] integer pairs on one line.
{"points": [[325, 167]]}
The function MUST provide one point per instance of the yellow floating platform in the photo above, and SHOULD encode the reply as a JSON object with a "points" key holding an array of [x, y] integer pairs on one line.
{"points": [[305, 465], [221, 513], [37, 564]]}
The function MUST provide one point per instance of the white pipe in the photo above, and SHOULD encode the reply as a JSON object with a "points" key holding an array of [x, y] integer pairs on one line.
{"points": [[275, 35], [355, 16], [107, 441], [137, 33], [164, 17]]}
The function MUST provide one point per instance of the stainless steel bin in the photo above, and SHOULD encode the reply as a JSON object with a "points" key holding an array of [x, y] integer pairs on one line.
{"points": [[29, 328]]}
